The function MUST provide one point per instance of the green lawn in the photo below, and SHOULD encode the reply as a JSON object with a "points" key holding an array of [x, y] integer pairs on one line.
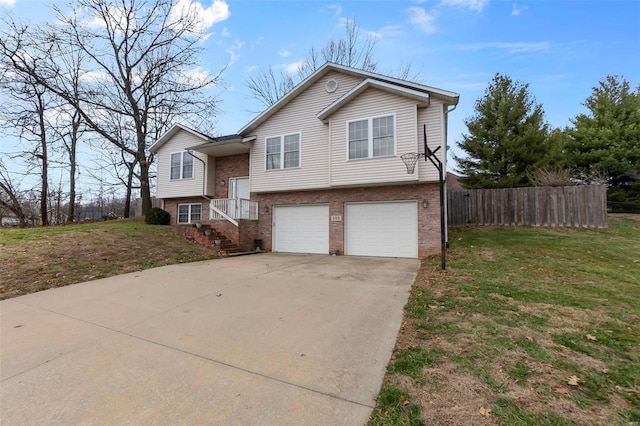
{"points": [[526, 327]]}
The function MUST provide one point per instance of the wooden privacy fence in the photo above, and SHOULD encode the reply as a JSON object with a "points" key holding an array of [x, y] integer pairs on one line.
{"points": [[567, 206]]}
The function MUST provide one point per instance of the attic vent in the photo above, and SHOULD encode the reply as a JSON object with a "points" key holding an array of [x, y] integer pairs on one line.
{"points": [[331, 86]]}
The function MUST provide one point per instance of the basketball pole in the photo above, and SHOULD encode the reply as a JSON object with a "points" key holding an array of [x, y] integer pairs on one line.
{"points": [[431, 155], [410, 160]]}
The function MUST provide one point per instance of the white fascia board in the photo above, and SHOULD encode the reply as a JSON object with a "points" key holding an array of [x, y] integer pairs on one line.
{"points": [[172, 131], [446, 95], [264, 115], [450, 98], [421, 97]]}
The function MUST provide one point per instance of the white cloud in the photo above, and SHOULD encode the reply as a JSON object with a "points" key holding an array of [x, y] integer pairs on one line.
{"points": [[517, 10], [391, 31], [207, 17], [234, 51], [293, 67], [284, 53], [7, 2], [251, 68], [257, 42], [226, 32], [197, 74], [337, 8], [476, 5], [374, 35], [116, 15], [512, 47], [91, 76], [423, 20]]}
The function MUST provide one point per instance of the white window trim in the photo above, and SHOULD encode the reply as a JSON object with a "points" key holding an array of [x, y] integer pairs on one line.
{"points": [[282, 151], [370, 135], [193, 169], [190, 205]]}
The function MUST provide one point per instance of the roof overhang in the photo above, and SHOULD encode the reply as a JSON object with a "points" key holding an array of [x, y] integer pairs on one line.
{"points": [[229, 145], [420, 97], [449, 98], [171, 132]]}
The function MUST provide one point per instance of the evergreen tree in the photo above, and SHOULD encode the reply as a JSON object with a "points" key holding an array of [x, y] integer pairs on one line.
{"points": [[507, 137], [606, 141]]}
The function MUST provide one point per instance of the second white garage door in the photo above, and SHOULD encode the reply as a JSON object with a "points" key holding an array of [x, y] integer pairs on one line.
{"points": [[381, 229], [301, 229]]}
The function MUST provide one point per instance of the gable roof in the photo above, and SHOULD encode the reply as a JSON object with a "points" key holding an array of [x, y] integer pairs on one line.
{"points": [[172, 131], [449, 98], [419, 96]]}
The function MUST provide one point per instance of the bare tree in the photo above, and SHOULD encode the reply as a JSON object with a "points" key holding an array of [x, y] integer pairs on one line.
{"points": [[69, 125], [267, 87], [141, 72], [25, 115], [10, 197], [353, 50], [120, 169]]}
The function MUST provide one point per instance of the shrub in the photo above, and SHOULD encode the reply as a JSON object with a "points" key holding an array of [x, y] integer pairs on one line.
{"points": [[157, 216], [551, 176]]}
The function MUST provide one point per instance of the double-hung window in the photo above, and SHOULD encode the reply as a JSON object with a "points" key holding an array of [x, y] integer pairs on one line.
{"points": [[188, 213], [283, 152], [181, 165], [371, 137]]}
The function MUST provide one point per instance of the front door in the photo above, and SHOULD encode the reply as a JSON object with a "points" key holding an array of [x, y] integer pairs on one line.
{"points": [[239, 189]]}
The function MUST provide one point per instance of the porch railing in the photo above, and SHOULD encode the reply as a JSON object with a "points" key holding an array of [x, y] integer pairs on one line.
{"points": [[233, 208]]}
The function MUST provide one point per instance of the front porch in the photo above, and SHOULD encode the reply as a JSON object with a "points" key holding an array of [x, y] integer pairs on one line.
{"points": [[232, 225], [233, 209]]}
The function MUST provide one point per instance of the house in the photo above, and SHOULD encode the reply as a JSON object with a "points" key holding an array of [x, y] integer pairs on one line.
{"points": [[319, 171], [453, 182]]}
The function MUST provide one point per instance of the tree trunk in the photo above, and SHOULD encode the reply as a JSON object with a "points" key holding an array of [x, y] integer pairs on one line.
{"points": [[145, 190], [127, 200], [44, 181], [72, 168]]}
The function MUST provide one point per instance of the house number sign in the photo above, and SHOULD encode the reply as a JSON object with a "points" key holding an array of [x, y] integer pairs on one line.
{"points": [[336, 218]]}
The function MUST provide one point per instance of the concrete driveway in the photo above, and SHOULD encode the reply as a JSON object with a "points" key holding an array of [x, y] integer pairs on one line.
{"points": [[265, 339]]}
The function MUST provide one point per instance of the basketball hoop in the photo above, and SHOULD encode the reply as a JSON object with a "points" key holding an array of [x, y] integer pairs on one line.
{"points": [[410, 159]]}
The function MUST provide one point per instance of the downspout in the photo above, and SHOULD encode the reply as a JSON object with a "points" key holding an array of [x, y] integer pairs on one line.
{"points": [[204, 172]]}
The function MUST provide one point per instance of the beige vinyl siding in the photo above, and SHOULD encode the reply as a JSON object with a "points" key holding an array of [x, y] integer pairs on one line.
{"points": [[299, 116], [167, 188], [373, 103], [433, 117]]}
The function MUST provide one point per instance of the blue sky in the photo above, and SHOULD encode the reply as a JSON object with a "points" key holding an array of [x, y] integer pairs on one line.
{"points": [[561, 48]]}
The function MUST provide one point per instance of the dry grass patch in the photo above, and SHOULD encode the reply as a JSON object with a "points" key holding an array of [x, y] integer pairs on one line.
{"points": [[36, 259], [531, 327]]}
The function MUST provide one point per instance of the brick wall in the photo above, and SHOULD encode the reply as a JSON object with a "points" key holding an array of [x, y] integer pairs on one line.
{"points": [[228, 167], [171, 205], [243, 235], [428, 219]]}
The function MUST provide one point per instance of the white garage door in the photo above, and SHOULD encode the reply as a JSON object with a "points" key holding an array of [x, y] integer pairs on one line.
{"points": [[382, 229], [301, 229]]}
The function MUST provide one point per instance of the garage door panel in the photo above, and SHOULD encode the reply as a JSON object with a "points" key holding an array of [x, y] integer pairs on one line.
{"points": [[382, 229], [301, 229]]}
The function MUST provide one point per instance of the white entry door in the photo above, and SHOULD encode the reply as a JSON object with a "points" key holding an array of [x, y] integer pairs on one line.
{"points": [[239, 188], [301, 229], [382, 229]]}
